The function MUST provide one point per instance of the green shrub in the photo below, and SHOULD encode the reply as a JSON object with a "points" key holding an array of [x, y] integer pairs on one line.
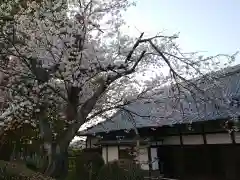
{"points": [[126, 163], [74, 152], [133, 170], [72, 175], [87, 165], [31, 165], [16, 171], [121, 170], [111, 171]]}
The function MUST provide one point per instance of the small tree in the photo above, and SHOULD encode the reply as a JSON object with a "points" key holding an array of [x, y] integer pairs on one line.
{"points": [[66, 63]]}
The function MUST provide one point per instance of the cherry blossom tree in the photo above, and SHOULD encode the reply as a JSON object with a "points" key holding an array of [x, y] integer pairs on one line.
{"points": [[68, 62]]}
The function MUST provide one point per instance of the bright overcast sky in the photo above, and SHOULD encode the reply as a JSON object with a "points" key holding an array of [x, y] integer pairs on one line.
{"points": [[204, 25]]}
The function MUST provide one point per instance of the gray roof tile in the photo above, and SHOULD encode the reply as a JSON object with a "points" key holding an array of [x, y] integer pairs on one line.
{"points": [[229, 80]]}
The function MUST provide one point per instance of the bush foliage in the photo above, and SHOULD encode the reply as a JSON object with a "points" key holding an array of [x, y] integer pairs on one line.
{"points": [[119, 170], [88, 164], [17, 171]]}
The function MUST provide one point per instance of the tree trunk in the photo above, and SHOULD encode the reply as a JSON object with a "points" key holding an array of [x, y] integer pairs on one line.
{"points": [[57, 155], [57, 163], [5, 151]]}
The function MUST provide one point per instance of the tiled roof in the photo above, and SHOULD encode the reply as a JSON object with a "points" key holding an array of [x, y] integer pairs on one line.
{"points": [[229, 80]]}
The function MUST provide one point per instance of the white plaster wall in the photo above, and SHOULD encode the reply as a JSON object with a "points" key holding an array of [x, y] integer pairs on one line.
{"points": [[112, 153], [171, 140], [143, 158], [154, 158], [104, 154], [237, 137], [193, 139], [220, 138]]}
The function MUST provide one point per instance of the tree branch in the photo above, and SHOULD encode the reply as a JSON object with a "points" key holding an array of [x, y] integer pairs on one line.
{"points": [[90, 103], [127, 72], [134, 47], [188, 82]]}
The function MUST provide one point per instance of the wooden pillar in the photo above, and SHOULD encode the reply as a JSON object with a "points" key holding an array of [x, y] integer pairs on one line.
{"points": [[204, 135], [107, 153], [90, 142], [233, 138], [150, 161], [179, 157], [118, 151], [160, 162], [237, 158], [228, 154], [206, 154]]}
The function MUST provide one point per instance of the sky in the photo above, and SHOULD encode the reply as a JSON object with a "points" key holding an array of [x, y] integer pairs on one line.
{"points": [[209, 26]]}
